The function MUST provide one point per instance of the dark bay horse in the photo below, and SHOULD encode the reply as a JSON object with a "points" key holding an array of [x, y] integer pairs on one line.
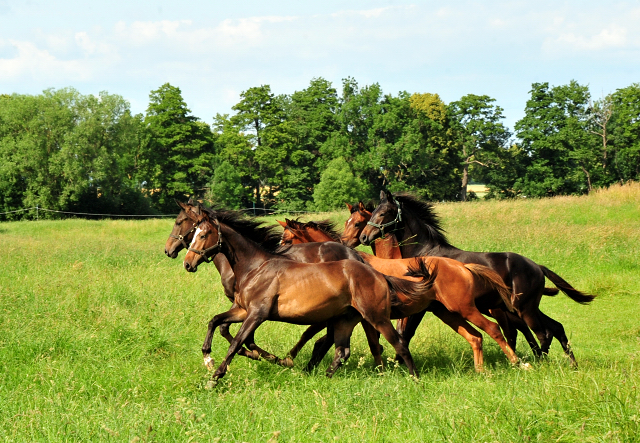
{"points": [[388, 247], [419, 232], [271, 287], [182, 235], [456, 287]]}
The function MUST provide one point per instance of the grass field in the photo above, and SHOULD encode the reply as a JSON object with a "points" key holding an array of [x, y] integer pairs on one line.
{"points": [[100, 337]]}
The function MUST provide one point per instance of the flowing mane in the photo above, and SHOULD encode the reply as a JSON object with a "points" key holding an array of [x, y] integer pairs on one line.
{"points": [[267, 237], [425, 215], [326, 226]]}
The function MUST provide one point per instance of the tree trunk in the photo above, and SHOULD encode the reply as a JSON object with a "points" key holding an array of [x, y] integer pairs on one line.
{"points": [[465, 181]]}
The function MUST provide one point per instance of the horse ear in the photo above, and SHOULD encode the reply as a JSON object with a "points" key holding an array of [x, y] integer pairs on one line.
{"points": [[361, 207], [349, 206], [191, 202], [383, 196], [283, 224], [180, 204], [198, 209], [389, 195]]}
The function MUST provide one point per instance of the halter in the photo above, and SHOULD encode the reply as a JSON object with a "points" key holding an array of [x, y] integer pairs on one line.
{"points": [[182, 237], [216, 247], [397, 220]]}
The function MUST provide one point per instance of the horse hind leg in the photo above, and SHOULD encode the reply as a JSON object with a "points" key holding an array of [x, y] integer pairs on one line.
{"points": [[559, 333], [307, 335], [491, 328], [398, 343], [460, 325], [321, 347], [249, 353]]}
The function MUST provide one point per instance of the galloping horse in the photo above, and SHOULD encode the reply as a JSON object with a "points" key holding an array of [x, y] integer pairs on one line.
{"points": [[388, 247], [271, 287], [456, 288], [419, 232], [182, 235]]}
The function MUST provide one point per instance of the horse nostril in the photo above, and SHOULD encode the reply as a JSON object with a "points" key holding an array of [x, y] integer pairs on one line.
{"points": [[187, 266], [363, 239]]}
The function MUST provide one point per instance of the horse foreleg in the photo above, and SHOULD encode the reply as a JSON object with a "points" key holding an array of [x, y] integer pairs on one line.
{"points": [[234, 315], [558, 332], [410, 326], [224, 331], [391, 335], [249, 324], [520, 325]]}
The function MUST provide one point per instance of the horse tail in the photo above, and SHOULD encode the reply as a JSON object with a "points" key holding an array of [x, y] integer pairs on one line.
{"points": [[550, 291], [414, 291], [565, 287], [493, 281]]}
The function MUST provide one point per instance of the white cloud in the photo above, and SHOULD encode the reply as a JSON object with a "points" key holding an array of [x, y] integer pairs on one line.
{"points": [[40, 63]]}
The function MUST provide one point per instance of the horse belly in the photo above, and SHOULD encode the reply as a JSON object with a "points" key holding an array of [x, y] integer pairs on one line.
{"points": [[311, 299]]}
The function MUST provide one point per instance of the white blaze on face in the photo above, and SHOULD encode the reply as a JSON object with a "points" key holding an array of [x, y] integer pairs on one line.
{"points": [[350, 218], [198, 231]]}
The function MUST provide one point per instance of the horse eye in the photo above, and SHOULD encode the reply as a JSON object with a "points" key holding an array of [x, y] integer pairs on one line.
{"points": [[358, 224]]}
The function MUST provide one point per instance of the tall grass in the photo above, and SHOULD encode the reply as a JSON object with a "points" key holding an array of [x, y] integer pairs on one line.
{"points": [[100, 339]]}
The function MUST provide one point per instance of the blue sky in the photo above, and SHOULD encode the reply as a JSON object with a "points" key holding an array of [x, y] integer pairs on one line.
{"points": [[214, 50]]}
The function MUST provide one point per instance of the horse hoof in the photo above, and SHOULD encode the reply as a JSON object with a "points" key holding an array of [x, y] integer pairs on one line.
{"points": [[286, 362], [208, 362], [255, 355], [526, 366], [211, 384]]}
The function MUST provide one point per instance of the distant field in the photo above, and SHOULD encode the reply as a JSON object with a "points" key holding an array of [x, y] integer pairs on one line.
{"points": [[100, 338], [480, 190]]}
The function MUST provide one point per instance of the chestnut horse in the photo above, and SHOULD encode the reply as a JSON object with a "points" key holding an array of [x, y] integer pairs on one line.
{"points": [[455, 290], [272, 287], [418, 229], [182, 235], [388, 247]]}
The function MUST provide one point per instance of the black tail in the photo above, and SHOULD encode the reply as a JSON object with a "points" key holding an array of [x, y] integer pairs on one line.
{"points": [[565, 287], [414, 291]]}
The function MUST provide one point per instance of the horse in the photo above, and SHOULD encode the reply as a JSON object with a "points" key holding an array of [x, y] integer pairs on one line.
{"points": [[419, 232], [456, 288], [388, 247], [273, 287], [182, 235]]}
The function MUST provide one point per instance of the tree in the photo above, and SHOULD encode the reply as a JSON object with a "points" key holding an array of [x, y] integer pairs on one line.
{"points": [[176, 156], [226, 189], [626, 133], [559, 151], [337, 186], [480, 132]]}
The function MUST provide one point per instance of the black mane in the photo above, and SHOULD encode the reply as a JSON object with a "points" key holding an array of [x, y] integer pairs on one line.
{"points": [[425, 215], [267, 237]]}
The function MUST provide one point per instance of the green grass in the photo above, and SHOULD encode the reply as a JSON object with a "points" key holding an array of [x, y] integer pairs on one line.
{"points": [[100, 338]]}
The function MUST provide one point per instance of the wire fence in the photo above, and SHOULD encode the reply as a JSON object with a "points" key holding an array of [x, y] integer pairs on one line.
{"points": [[37, 209]]}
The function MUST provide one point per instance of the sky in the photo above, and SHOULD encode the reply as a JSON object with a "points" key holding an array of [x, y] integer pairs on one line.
{"points": [[214, 50]]}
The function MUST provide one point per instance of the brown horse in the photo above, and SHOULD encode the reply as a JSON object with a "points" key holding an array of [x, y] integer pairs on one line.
{"points": [[418, 230], [272, 287], [387, 246], [455, 291], [182, 235]]}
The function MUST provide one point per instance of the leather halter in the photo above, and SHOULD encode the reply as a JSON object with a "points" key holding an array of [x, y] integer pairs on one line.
{"points": [[182, 237], [216, 247], [397, 220]]}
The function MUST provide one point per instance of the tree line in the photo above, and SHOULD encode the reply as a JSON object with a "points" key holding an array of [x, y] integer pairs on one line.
{"points": [[310, 150]]}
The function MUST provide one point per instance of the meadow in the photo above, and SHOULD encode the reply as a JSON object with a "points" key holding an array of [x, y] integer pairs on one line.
{"points": [[100, 337]]}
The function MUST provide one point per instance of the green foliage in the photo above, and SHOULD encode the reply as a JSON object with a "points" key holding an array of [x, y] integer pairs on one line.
{"points": [[337, 186], [65, 151], [177, 153], [226, 189], [626, 133]]}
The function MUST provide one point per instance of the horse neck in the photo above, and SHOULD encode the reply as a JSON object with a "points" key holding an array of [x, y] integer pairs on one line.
{"points": [[242, 254], [416, 239], [316, 235], [387, 247]]}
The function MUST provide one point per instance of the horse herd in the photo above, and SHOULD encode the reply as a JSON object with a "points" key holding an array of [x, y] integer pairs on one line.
{"points": [[310, 275]]}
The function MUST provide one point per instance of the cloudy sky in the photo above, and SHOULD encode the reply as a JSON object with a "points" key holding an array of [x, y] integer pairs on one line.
{"points": [[214, 50]]}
